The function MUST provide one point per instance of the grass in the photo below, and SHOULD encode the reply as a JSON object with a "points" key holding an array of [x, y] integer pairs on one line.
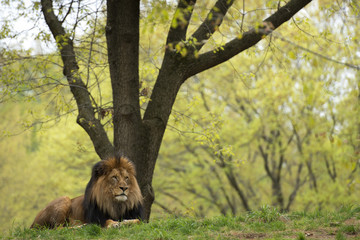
{"points": [[267, 223]]}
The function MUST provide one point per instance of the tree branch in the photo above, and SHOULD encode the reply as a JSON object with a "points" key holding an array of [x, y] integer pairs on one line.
{"points": [[86, 117], [350, 65], [332, 173], [266, 163], [250, 38], [180, 21], [212, 22], [298, 184], [67, 13], [311, 173]]}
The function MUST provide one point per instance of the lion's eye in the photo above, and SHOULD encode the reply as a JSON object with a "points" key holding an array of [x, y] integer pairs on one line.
{"points": [[127, 179], [115, 179]]}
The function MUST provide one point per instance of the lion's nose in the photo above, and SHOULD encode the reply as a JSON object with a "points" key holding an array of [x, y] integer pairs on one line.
{"points": [[123, 188]]}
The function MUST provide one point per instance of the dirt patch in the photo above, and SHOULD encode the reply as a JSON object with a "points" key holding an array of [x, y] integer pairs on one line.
{"points": [[318, 234], [321, 233], [352, 221], [242, 235], [327, 233]]}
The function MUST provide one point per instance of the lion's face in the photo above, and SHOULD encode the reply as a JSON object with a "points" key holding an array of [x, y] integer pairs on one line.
{"points": [[114, 186], [119, 184]]}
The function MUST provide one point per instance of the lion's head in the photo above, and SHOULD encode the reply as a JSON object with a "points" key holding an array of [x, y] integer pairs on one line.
{"points": [[112, 190]]}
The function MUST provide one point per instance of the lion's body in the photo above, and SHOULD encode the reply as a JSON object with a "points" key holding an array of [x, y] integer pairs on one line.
{"points": [[112, 195]]}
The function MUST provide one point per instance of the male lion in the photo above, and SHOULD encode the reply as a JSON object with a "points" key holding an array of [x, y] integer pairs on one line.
{"points": [[111, 196]]}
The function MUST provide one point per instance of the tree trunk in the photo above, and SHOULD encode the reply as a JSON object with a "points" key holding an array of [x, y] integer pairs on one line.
{"points": [[278, 199], [130, 134], [154, 124], [135, 138]]}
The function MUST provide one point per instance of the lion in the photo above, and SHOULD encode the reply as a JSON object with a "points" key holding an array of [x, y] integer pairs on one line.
{"points": [[112, 197]]}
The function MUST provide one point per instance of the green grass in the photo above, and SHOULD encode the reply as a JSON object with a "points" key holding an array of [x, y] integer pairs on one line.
{"points": [[267, 223]]}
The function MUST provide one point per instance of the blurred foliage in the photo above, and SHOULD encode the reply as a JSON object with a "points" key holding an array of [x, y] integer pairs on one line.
{"points": [[276, 125], [39, 165]]}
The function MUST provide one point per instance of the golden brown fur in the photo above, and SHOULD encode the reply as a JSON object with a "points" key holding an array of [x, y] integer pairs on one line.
{"points": [[112, 195]]}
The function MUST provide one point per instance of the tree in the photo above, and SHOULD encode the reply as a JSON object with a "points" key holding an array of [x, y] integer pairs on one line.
{"points": [[138, 135]]}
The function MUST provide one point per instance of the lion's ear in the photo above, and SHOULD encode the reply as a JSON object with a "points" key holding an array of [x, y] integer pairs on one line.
{"points": [[99, 169]]}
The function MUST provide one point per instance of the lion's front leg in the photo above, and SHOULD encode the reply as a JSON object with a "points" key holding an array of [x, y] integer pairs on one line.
{"points": [[55, 214], [115, 224]]}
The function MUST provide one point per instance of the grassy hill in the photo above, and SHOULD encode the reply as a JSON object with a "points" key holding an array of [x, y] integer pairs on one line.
{"points": [[267, 223]]}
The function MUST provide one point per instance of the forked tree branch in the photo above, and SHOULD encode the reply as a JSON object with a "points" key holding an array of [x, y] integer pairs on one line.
{"points": [[248, 39], [86, 117]]}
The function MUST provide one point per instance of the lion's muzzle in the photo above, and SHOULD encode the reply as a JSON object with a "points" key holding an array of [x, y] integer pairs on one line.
{"points": [[121, 197]]}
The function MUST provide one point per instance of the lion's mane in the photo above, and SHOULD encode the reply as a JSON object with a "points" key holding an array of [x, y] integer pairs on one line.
{"points": [[99, 204]]}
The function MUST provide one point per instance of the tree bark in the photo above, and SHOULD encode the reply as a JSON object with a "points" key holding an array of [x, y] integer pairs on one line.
{"points": [[122, 35], [132, 137]]}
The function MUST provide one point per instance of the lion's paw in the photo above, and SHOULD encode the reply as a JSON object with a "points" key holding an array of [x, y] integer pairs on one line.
{"points": [[115, 224], [130, 221], [112, 224]]}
